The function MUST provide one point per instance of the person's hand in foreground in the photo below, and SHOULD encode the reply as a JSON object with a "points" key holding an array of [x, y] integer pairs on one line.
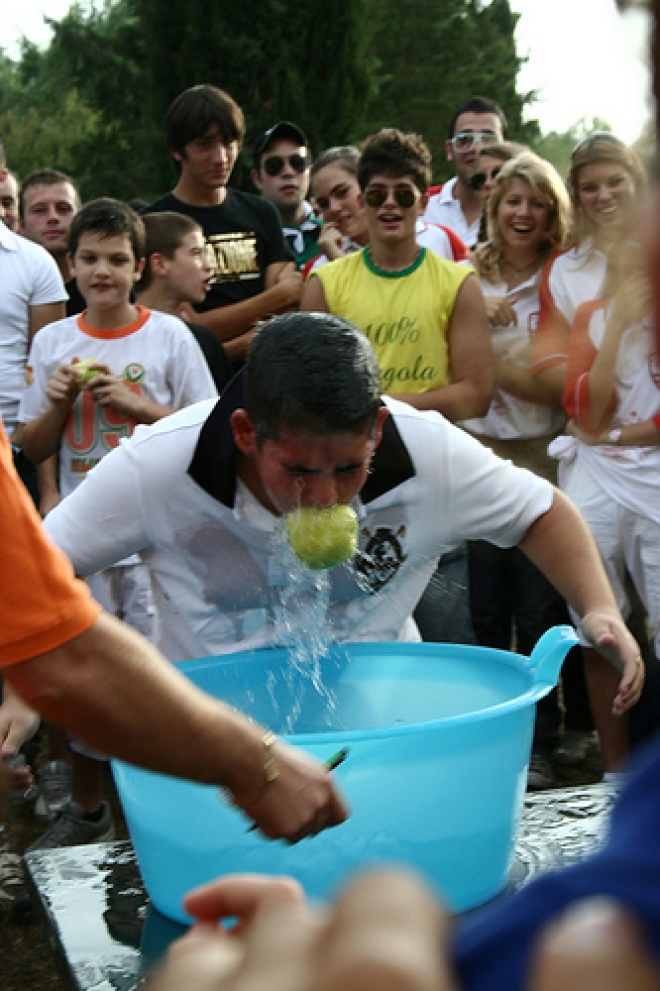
{"points": [[385, 932], [594, 946]]}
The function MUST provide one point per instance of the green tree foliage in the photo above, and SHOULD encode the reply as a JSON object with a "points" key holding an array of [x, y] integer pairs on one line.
{"points": [[280, 60], [93, 102], [432, 56]]}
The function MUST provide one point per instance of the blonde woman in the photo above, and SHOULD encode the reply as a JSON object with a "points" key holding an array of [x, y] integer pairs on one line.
{"points": [[605, 181], [527, 219]]}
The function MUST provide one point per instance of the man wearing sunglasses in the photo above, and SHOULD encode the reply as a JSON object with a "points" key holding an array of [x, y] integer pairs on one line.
{"points": [[253, 272], [282, 163], [476, 124]]}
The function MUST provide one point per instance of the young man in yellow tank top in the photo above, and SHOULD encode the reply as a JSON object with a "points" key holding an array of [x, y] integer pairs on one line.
{"points": [[424, 316]]}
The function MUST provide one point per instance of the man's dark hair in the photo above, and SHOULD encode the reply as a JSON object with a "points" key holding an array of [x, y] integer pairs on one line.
{"points": [[196, 110], [311, 372], [44, 177], [164, 233], [109, 218], [391, 152], [478, 105]]}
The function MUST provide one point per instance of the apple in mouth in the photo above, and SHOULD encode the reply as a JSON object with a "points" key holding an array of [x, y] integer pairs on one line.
{"points": [[323, 537]]}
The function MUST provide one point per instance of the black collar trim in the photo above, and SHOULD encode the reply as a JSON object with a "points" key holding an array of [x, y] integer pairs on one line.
{"points": [[214, 463]]}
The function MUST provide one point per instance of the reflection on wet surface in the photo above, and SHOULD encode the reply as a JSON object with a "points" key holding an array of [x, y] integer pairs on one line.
{"points": [[98, 910]]}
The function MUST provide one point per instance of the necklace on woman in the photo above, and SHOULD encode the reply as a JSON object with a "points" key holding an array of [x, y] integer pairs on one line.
{"points": [[523, 268]]}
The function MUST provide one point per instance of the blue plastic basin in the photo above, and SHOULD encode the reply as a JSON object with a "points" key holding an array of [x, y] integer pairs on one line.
{"points": [[439, 737]]}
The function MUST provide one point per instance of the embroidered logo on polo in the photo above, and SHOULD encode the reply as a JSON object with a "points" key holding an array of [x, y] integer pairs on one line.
{"points": [[234, 256], [133, 373], [381, 558]]}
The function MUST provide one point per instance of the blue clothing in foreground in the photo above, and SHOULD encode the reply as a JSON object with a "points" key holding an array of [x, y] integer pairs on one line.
{"points": [[491, 950]]}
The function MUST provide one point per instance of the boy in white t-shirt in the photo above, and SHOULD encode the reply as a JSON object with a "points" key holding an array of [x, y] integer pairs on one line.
{"points": [[142, 365]]}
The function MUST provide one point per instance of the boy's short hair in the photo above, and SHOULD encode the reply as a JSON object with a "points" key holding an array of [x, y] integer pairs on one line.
{"points": [[311, 372], [164, 234], [478, 105], [197, 109], [110, 218], [391, 152], [45, 177]]}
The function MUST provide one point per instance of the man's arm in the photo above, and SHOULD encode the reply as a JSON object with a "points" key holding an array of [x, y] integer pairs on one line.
{"points": [[561, 545], [282, 292], [110, 687], [45, 313], [471, 362]]}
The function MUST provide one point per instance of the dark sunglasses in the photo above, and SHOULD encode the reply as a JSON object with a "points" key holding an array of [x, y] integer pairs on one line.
{"points": [[273, 166], [404, 196], [479, 179]]}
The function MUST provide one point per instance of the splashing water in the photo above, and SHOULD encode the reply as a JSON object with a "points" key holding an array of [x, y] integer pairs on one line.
{"points": [[302, 616]]}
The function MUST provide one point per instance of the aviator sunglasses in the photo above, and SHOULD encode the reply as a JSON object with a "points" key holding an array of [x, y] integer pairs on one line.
{"points": [[273, 166], [466, 140], [405, 196], [479, 179]]}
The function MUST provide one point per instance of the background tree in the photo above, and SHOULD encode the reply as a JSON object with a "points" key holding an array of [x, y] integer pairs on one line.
{"points": [[433, 56], [93, 102]]}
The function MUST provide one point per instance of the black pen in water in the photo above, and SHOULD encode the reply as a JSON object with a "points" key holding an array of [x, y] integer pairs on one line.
{"points": [[330, 765]]}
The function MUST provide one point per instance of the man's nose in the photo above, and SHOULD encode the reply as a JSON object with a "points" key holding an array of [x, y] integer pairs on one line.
{"points": [[321, 491]]}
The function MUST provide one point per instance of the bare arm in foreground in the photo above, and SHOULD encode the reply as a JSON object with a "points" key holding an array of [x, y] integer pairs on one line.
{"points": [[112, 688]]}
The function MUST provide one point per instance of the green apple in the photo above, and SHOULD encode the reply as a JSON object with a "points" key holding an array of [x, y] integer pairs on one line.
{"points": [[323, 538], [86, 372]]}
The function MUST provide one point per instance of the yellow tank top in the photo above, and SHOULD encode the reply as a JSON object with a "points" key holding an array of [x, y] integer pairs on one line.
{"points": [[405, 315]]}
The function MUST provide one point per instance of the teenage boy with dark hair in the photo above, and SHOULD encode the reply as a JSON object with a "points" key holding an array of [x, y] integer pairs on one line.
{"points": [[475, 124], [253, 273], [177, 271], [426, 319], [281, 173], [144, 365]]}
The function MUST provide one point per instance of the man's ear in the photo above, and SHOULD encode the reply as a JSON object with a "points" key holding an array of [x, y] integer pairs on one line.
{"points": [[158, 263], [139, 268], [383, 414], [449, 150], [256, 179], [245, 435]]}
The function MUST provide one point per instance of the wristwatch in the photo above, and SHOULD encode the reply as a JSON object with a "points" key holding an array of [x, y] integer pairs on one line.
{"points": [[614, 436]]}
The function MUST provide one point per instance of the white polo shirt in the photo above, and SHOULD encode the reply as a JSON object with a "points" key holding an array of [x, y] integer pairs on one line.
{"points": [[445, 209], [29, 277]]}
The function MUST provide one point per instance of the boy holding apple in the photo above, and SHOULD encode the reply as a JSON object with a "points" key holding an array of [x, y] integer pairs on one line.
{"points": [[91, 379]]}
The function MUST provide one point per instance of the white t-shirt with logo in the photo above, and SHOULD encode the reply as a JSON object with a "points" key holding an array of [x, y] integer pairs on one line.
{"points": [[156, 356]]}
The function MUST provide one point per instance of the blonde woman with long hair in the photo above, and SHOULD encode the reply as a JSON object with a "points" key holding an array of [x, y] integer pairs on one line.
{"points": [[527, 219]]}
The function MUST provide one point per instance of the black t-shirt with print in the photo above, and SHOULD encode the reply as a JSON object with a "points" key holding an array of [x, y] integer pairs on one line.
{"points": [[244, 235]]}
